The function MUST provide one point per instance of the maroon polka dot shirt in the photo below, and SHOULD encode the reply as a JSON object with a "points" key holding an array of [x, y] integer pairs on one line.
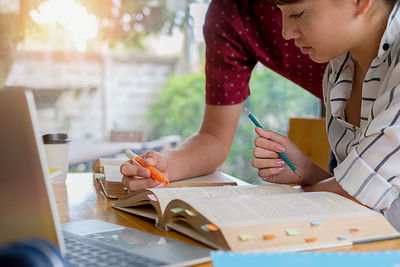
{"points": [[238, 34]]}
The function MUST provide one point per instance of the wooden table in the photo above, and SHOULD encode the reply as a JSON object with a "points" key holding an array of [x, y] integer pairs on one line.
{"points": [[81, 198]]}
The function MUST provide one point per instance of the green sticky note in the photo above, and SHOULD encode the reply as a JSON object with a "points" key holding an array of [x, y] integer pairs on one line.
{"points": [[342, 237], [99, 176], [291, 232], [177, 210], [316, 223]]}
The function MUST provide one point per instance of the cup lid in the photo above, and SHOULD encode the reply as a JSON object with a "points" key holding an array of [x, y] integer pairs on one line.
{"points": [[58, 138]]}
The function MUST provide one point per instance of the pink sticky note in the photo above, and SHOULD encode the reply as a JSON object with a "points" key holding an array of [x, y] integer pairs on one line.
{"points": [[152, 197]]}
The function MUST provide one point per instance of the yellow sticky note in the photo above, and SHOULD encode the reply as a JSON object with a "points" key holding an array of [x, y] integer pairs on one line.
{"points": [[191, 213], [245, 237], [51, 170]]}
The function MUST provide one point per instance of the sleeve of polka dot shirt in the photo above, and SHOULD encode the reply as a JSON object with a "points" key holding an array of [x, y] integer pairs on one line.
{"points": [[228, 63]]}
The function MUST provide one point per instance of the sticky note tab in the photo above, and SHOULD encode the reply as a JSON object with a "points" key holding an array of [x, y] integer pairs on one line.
{"points": [[152, 197], [209, 227], [269, 237], [354, 230], [292, 232], [205, 228], [177, 210], [191, 213], [342, 237], [310, 239], [51, 170], [245, 237], [99, 176], [212, 227], [316, 223]]}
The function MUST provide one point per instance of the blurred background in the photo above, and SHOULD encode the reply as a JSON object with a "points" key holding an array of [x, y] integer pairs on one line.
{"points": [[117, 74]]}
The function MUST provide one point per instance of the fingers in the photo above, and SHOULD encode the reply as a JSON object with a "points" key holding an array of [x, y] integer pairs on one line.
{"points": [[267, 174], [259, 152], [267, 163], [135, 183], [264, 142], [271, 135], [155, 159], [130, 169], [136, 177]]}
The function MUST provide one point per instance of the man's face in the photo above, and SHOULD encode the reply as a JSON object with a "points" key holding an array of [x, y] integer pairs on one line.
{"points": [[323, 29]]}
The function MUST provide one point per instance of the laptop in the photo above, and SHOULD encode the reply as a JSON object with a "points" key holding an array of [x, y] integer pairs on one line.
{"points": [[27, 204]]}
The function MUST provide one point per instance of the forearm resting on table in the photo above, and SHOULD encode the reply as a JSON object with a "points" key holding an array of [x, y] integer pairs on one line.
{"points": [[313, 173], [318, 179], [328, 185], [204, 152], [201, 154]]}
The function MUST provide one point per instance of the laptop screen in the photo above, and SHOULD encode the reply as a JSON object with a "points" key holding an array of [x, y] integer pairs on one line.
{"points": [[25, 203]]}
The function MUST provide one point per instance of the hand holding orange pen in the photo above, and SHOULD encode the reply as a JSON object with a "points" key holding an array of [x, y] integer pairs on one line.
{"points": [[155, 174]]}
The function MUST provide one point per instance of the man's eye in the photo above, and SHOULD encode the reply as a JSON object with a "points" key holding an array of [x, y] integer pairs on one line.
{"points": [[298, 15]]}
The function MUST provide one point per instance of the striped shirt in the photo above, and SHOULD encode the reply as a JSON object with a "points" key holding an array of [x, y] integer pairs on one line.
{"points": [[368, 156]]}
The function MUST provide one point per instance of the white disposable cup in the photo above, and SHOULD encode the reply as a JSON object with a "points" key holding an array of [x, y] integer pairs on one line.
{"points": [[56, 147]]}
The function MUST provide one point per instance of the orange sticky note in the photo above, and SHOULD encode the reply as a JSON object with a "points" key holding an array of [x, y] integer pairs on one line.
{"points": [[269, 237], [212, 227], [310, 239]]}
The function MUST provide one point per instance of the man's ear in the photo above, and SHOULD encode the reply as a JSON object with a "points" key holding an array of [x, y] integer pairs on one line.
{"points": [[362, 6]]}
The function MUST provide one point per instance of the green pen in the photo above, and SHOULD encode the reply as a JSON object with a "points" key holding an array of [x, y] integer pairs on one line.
{"points": [[283, 156]]}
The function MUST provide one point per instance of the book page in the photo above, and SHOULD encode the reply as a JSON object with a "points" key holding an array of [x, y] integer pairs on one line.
{"points": [[165, 195], [283, 208], [215, 178], [112, 173]]}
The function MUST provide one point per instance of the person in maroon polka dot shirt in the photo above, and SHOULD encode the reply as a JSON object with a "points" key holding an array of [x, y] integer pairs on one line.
{"points": [[238, 35]]}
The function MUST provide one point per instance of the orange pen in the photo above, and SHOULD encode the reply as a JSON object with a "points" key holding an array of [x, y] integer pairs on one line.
{"points": [[155, 174]]}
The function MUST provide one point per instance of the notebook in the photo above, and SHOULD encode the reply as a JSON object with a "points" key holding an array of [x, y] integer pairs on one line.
{"points": [[28, 209]]}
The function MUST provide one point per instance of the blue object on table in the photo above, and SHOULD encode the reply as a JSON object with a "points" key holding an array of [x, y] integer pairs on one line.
{"points": [[31, 253], [307, 259]]}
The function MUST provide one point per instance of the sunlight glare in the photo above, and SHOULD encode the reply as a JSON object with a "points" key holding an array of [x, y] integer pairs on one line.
{"points": [[72, 16]]}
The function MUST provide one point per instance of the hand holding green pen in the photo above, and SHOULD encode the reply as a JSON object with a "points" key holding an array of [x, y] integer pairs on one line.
{"points": [[282, 155]]}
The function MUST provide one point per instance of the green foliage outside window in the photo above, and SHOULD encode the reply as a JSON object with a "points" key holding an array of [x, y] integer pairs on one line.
{"points": [[273, 100]]}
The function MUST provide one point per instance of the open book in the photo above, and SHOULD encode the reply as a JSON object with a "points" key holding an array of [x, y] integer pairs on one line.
{"points": [[259, 218], [107, 170]]}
